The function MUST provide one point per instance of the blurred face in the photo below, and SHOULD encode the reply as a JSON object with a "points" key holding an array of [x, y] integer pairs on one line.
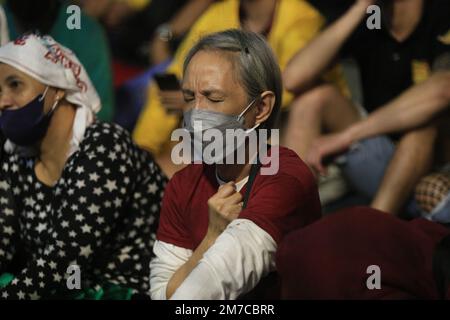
{"points": [[210, 84], [17, 89]]}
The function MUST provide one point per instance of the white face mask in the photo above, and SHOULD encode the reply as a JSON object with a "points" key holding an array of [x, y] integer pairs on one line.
{"points": [[199, 122]]}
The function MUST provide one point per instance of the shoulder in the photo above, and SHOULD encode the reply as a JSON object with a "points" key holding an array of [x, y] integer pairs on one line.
{"points": [[107, 132], [295, 10], [297, 19], [109, 140], [289, 161], [283, 164], [107, 147], [219, 16], [306, 9], [222, 7], [187, 177]]}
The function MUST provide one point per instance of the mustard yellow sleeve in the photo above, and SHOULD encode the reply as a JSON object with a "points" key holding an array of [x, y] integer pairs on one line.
{"points": [[307, 26], [155, 124], [136, 4], [294, 40]]}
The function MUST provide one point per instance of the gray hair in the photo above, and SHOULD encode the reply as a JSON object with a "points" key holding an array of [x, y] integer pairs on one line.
{"points": [[256, 66]]}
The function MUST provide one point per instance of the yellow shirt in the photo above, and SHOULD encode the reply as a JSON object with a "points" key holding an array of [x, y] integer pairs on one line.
{"points": [[136, 4], [295, 24]]}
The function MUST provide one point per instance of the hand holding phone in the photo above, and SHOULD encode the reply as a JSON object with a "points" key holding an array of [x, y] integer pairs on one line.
{"points": [[170, 92], [167, 82]]}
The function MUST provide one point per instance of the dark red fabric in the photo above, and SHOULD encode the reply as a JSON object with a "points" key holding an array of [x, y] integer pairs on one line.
{"points": [[278, 203], [123, 72], [329, 259]]}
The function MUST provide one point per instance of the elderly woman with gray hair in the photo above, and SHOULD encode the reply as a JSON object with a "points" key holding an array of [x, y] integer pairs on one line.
{"points": [[79, 202], [221, 221]]}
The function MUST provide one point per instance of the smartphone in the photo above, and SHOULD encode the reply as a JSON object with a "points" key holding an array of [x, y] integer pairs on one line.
{"points": [[167, 81]]}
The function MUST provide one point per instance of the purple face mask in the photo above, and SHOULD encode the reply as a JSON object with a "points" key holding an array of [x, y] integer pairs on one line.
{"points": [[27, 125]]}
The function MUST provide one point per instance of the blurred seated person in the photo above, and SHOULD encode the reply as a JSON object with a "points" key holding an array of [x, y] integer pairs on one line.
{"points": [[222, 220], [89, 42], [286, 24], [145, 33], [388, 151], [111, 12], [365, 254], [75, 192]]}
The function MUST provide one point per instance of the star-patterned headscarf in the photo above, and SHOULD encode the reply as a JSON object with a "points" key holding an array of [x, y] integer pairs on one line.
{"points": [[52, 64]]}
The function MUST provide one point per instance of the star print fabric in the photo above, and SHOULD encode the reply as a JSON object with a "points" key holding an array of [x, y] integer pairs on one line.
{"points": [[101, 215]]}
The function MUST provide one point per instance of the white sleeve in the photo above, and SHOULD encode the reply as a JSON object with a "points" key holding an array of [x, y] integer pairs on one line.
{"points": [[241, 256], [168, 259]]}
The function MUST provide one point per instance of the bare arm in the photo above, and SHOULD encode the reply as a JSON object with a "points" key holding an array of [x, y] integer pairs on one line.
{"points": [[183, 20], [310, 63], [186, 17], [414, 108]]}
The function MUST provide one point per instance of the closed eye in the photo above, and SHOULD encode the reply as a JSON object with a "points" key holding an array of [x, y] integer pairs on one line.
{"points": [[188, 99], [215, 100], [14, 84]]}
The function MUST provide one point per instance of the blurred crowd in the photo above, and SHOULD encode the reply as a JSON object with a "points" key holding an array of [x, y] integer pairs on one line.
{"points": [[366, 109], [363, 70]]}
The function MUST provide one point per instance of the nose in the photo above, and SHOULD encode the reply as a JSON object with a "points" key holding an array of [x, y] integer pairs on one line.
{"points": [[5, 101], [201, 103]]}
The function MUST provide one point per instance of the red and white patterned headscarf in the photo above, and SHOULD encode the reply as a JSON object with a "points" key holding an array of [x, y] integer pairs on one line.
{"points": [[52, 64]]}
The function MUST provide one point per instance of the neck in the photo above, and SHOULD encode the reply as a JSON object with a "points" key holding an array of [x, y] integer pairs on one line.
{"points": [[233, 172], [55, 145], [258, 13], [236, 172], [406, 15]]}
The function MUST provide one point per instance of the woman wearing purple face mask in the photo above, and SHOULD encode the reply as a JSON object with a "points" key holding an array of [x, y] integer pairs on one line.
{"points": [[77, 198], [28, 124]]}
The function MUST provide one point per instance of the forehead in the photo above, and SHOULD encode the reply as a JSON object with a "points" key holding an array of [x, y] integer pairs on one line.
{"points": [[211, 68], [7, 71]]}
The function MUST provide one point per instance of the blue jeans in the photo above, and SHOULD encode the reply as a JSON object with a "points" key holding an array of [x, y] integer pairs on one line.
{"points": [[365, 164]]}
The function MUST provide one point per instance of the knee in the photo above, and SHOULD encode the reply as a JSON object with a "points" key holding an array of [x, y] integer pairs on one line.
{"points": [[441, 86], [419, 140], [312, 102]]}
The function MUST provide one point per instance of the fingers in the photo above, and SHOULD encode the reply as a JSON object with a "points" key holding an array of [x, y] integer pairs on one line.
{"points": [[314, 159], [227, 200], [224, 207], [172, 95], [228, 193], [233, 211], [226, 190], [234, 199], [171, 99]]}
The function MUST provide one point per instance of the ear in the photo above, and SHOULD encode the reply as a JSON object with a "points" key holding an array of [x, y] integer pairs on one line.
{"points": [[265, 106]]}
